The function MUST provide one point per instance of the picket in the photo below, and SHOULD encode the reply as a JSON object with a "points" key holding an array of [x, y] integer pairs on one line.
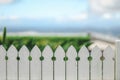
{"points": [[2, 63], [83, 64], [24, 64], [12, 63], [108, 64], [117, 60], [47, 63], [96, 64], [35, 63], [71, 64], [59, 65]]}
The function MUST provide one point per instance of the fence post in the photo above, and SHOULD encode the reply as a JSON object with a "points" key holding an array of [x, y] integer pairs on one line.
{"points": [[117, 60]]}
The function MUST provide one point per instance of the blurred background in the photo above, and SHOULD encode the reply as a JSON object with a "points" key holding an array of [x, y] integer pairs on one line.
{"points": [[101, 16]]}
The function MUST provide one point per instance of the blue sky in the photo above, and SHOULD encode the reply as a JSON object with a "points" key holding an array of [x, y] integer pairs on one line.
{"points": [[59, 14], [43, 8]]}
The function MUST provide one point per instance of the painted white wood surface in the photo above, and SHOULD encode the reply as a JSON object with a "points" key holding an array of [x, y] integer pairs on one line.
{"points": [[24, 63], [35, 64], [59, 64], [2, 63], [12, 63], [59, 67], [117, 56], [83, 64], [71, 64], [96, 64], [108, 68], [47, 63]]}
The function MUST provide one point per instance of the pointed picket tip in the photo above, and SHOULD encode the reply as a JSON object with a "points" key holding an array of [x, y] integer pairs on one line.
{"points": [[72, 46], [2, 48], [108, 48], [69, 48], [59, 47], [96, 48], [47, 46], [36, 48], [24, 47], [83, 48], [12, 47]]}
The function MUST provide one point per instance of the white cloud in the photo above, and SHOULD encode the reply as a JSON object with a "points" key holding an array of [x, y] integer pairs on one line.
{"points": [[105, 5], [79, 17], [107, 16], [9, 17], [6, 1], [75, 17], [13, 17], [110, 16]]}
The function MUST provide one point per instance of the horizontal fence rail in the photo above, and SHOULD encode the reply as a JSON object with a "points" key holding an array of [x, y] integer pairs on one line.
{"points": [[58, 65]]}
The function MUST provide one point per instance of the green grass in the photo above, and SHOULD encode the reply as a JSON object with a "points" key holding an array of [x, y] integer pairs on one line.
{"points": [[41, 42]]}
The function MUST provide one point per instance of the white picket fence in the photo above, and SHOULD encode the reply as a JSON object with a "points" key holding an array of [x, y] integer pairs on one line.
{"points": [[29, 65]]}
